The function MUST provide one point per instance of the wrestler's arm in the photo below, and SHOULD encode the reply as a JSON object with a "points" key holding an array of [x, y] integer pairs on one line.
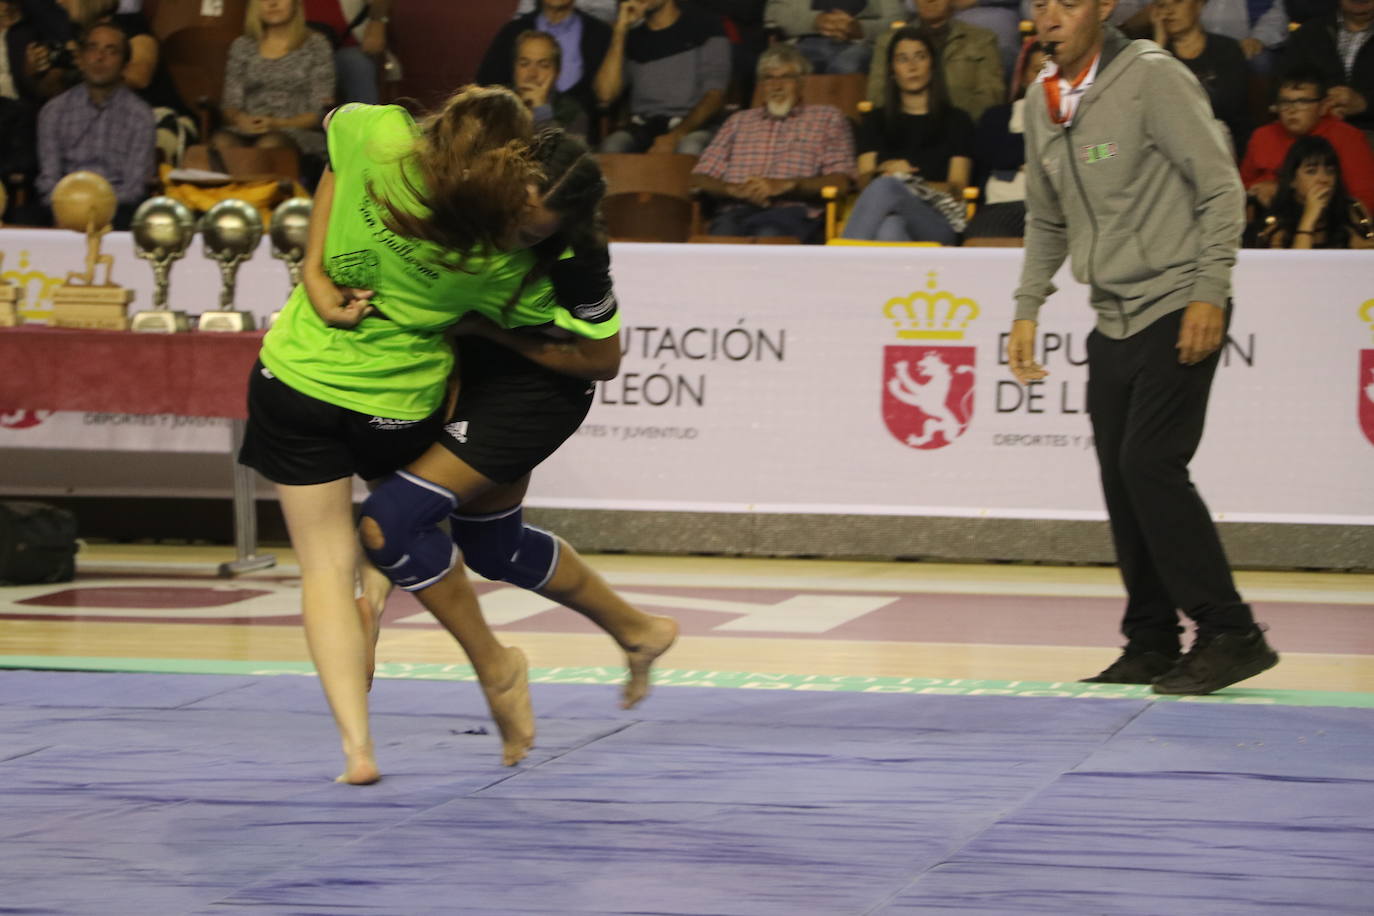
{"points": [[584, 341], [337, 307], [572, 355]]}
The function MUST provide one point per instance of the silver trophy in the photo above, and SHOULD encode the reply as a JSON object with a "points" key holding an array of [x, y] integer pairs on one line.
{"points": [[162, 229], [290, 231], [230, 231]]}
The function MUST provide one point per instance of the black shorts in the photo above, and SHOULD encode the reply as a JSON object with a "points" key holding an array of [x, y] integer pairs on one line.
{"points": [[511, 414], [294, 439]]}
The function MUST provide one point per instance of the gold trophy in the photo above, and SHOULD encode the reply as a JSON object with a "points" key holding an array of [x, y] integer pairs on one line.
{"points": [[162, 229], [230, 232], [9, 293], [85, 202], [290, 231]]}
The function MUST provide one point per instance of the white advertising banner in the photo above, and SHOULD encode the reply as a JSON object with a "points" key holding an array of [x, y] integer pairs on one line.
{"points": [[870, 381]]}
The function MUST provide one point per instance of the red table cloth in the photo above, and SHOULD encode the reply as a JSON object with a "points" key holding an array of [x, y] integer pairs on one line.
{"points": [[190, 375]]}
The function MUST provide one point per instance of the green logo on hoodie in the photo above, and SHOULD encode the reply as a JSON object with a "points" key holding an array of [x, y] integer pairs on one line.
{"points": [[1096, 152]]}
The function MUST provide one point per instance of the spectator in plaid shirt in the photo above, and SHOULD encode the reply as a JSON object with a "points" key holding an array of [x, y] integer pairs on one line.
{"points": [[99, 125], [767, 165]]}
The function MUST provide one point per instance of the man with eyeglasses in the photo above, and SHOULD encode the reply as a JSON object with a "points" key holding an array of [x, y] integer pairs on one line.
{"points": [[1302, 108], [1338, 46], [99, 125]]}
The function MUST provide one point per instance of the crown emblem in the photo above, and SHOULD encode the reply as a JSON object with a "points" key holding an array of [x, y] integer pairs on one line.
{"points": [[37, 287], [1367, 313], [934, 315]]}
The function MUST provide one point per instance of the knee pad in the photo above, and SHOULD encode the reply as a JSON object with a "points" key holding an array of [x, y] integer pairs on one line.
{"points": [[501, 546], [408, 509]]}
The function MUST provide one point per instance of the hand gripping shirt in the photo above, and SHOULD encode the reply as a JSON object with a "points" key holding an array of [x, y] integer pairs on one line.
{"points": [[396, 363]]}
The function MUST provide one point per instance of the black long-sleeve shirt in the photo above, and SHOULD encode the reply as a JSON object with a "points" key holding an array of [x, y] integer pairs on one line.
{"points": [[1223, 73]]}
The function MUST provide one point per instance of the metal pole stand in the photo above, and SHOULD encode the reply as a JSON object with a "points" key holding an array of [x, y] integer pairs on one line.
{"points": [[245, 514]]}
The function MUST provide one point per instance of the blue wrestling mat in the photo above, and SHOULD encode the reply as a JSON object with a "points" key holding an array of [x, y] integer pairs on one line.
{"points": [[168, 794]]}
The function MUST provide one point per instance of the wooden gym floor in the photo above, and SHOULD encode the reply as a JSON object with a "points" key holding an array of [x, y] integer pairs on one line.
{"points": [[830, 624]]}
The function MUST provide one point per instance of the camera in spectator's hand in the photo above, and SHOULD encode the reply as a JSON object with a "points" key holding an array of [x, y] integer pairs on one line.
{"points": [[60, 55]]}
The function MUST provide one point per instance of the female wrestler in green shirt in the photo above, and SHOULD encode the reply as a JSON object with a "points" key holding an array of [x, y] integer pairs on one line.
{"points": [[354, 370], [353, 384]]}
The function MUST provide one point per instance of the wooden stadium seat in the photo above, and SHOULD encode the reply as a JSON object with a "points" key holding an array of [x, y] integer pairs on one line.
{"points": [[648, 196], [654, 173], [169, 16], [644, 216], [196, 57]]}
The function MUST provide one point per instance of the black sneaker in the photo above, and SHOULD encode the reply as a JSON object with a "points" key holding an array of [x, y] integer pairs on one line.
{"points": [[1134, 667], [1218, 660]]}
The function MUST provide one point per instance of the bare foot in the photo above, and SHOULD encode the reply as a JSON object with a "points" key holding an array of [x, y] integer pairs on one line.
{"points": [[360, 768], [511, 710], [640, 659]]}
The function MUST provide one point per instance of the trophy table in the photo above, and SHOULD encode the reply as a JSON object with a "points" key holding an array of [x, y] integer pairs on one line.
{"points": [[85, 202], [162, 230], [9, 293], [230, 231]]}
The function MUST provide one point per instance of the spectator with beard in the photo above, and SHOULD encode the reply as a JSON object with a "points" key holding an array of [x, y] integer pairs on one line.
{"points": [[767, 166]]}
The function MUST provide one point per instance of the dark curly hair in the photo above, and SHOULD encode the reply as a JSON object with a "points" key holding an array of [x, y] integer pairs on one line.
{"points": [[1287, 209], [572, 187]]}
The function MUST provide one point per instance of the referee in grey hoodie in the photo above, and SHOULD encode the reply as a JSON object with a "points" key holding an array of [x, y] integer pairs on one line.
{"points": [[1129, 175]]}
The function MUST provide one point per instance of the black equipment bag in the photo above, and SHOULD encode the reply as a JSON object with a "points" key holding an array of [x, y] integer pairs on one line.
{"points": [[37, 544]]}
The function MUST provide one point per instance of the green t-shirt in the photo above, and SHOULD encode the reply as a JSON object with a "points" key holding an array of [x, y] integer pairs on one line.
{"points": [[395, 366]]}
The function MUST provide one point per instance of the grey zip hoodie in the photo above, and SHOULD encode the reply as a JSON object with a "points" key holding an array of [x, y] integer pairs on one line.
{"points": [[1140, 191]]}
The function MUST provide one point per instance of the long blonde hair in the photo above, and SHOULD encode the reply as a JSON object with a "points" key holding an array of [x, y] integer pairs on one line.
{"points": [[296, 29]]}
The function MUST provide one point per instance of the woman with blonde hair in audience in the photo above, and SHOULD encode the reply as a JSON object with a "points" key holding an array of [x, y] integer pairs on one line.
{"points": [[278, 82]]}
